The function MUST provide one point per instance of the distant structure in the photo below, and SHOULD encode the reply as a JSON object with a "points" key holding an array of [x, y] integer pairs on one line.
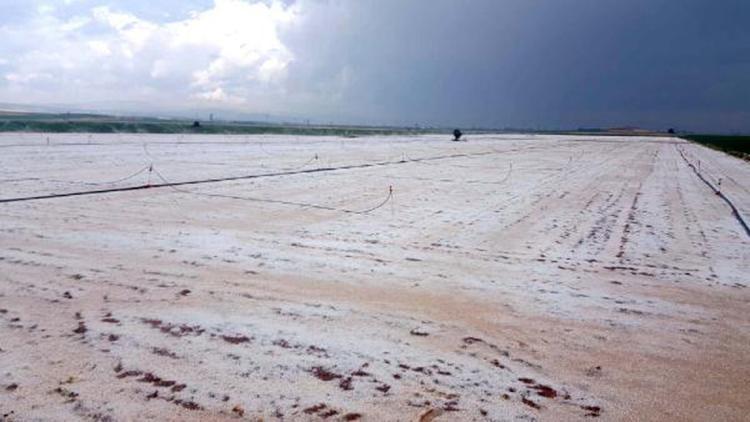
{"points": [[457, 135], [670, 131], [196, 124]]}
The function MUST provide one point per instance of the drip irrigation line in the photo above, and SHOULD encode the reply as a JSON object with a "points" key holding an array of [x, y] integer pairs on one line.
{"points": [[507, 176], [263, 148], [719, 193], [307, 163], [232, 178], [472, 157], [69, 194], [145, 149], [22, 179], [112, 182], [382, 204], [314, 158], [420, 162], [276, 201]]}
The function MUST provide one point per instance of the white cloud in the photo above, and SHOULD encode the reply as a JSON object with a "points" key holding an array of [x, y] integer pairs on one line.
{"points": [[272, 68], [132, 33], [24, 78], [100, 48], [244, 35], [45, 8], [228, 53]]}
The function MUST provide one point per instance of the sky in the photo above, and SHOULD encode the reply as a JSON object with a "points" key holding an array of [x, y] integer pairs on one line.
{"points": [[541, 64]]}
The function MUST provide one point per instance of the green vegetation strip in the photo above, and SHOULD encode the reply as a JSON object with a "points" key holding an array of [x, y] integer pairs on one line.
{"points": [[739, 146], [86, 123]]}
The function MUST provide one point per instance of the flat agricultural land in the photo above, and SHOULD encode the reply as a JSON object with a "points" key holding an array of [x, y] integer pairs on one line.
{"points": [[507, 277]]}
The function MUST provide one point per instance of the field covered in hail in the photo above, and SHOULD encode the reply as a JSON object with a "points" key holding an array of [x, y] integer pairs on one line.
{"points": [[376, 278]]}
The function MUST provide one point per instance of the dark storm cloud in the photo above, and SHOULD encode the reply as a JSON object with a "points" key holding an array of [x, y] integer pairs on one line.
{"points": [[541, 63]]}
